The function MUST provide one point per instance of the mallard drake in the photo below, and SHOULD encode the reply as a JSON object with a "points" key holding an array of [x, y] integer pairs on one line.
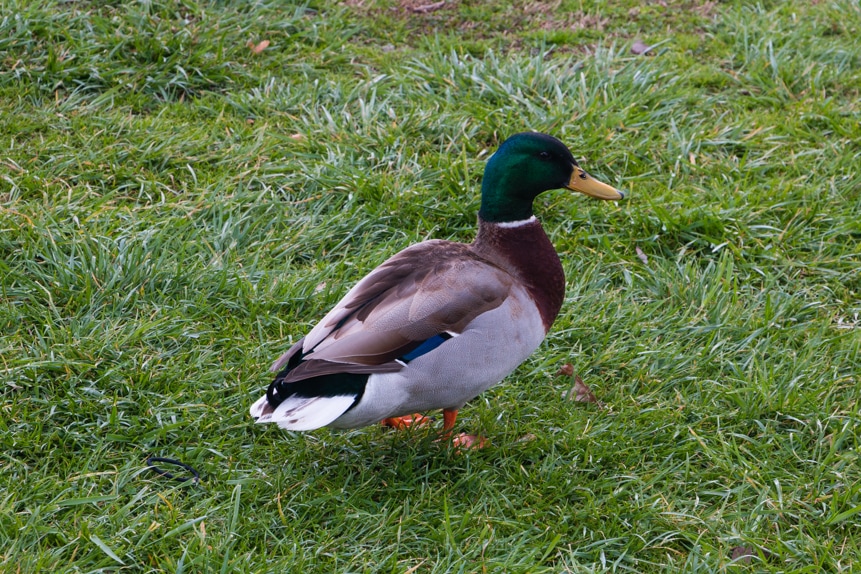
{"points": [[440, 322]]}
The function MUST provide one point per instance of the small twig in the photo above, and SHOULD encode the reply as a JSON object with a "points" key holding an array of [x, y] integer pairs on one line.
{"points": [[426, 8]]}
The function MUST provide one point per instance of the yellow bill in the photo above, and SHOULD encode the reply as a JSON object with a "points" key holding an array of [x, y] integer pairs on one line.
{"points": [[586, 184]]}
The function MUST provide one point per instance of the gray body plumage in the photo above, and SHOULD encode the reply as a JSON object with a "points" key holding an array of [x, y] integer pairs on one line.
{"points": [[429, 288], [457, 371]]}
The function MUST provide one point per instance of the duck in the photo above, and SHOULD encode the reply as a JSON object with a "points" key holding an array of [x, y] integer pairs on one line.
{"points": [[440, 322]]}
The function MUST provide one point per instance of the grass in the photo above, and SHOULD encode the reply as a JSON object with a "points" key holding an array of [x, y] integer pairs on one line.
{"points": [[176, 208]]}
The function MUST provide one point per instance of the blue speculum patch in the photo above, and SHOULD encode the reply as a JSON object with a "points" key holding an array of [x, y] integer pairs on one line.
{"points": [[426, 347]]}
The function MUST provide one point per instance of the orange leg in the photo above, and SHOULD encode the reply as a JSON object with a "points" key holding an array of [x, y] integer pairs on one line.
{"points": [[449, 416]]}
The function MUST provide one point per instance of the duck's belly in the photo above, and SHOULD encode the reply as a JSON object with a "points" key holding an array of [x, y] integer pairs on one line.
{"points": [[487, 351]]}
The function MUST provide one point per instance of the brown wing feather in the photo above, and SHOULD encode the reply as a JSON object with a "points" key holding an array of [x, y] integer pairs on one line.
{"points": [[427, 289]]}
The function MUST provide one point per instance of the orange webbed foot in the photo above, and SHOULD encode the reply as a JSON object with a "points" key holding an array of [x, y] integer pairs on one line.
{"points": [[461, 441], [465, 441], [405, 422]]}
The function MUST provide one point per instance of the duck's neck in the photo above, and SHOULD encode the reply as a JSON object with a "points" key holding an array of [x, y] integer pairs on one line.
{"points": [[524, 250]]}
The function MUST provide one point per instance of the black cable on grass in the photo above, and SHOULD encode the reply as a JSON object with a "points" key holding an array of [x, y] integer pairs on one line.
{"points": [[154, 459]]}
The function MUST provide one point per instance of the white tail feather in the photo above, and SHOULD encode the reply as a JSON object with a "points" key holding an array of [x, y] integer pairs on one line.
{"points": [[258, 408], [303, 413]]}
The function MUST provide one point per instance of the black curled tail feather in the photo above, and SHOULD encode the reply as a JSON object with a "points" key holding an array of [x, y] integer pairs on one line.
{"points": [[326, 385], [278, 389]]}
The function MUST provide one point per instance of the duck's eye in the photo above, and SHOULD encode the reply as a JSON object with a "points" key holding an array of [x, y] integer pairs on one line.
{"points": [[544, 154]]}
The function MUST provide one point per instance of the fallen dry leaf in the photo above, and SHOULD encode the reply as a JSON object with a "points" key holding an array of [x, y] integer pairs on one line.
{"points": [[639, 47], [567, 369], [745, 554], [259, 47], [580, 392], [320, 287], [742, 554]]}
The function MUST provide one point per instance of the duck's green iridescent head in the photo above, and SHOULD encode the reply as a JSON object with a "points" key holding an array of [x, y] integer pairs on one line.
{"points": [[526, 165]]}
